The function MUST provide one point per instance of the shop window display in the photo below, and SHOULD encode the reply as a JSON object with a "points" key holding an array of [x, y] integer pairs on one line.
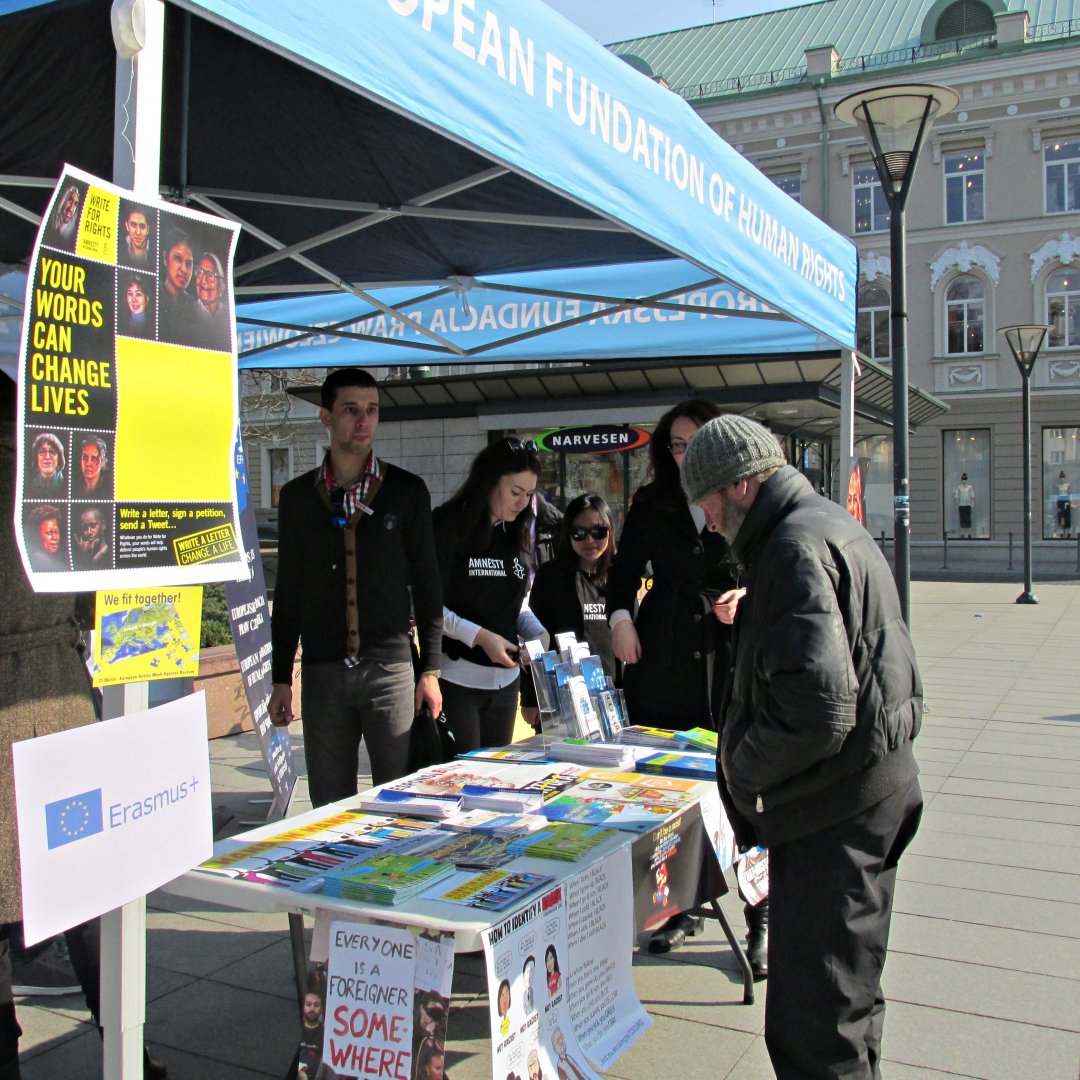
{"points": [[1061, 483], [966, 484]]}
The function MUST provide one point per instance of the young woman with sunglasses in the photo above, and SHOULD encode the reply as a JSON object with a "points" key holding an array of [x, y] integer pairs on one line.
{"points": [[484, 540], [569, 592]]}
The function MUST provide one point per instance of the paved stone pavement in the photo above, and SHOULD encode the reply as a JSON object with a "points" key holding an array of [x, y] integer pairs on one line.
{"points": [[983, 977]]}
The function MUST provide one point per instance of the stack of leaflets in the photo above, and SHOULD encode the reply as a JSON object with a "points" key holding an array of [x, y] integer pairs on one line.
{"points": [[506, 754], [510, 802], [566, 842], [386, 879], [494, 821], [698, 738], [693, 766], [296, 857], [304, 871], [492, 890], [620, 800], [583, 752], [477, 777], [388, 801], [476, 850], [659, 738]]}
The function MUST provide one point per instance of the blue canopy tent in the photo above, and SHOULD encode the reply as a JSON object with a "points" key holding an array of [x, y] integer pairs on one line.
{"points": [[368, 144]]}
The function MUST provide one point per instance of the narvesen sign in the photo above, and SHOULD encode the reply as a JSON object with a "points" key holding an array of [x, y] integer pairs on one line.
{"points": [[600, 439]]}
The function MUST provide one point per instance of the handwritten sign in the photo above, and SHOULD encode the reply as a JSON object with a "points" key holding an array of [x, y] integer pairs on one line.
{"points": [[369, 1001]]}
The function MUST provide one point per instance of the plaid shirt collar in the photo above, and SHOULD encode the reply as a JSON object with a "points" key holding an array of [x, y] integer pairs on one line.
{"points": [[356, 493]]}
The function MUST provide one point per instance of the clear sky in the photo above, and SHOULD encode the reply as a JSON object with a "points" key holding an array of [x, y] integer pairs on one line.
{"points": [[617, 20]]}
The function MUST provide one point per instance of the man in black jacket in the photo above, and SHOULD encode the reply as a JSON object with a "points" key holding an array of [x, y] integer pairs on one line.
{"points": [[356, 560], [815, 758]]}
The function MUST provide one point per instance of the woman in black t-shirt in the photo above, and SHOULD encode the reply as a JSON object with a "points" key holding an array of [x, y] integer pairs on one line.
{"points": [[485, 548]]}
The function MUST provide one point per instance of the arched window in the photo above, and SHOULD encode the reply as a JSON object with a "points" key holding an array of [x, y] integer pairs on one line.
{"points": [[965, 315], [1063, 308], [872, 329], [964, 18]]}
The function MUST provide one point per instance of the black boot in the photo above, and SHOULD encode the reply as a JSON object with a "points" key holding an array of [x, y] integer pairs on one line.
{"points": [[673, 934], [757, 938]]}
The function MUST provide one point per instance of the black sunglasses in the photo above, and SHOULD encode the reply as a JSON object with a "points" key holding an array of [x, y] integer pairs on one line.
{"points": [[597, 532], [337, 504]]}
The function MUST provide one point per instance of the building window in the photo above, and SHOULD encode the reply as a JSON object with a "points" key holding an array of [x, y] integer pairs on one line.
{"points": [[1061, 158], [1061, 482], [1063, 309], [277, 473], [964, 180], [965, 316], [872, 329], [871, 207], [965, 462], [789, 184]]}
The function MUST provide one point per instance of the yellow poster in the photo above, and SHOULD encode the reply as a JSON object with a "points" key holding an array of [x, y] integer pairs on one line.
{"points": [[144, 634], [128, 395]]}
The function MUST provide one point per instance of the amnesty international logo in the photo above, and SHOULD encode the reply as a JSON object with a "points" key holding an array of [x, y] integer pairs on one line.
{"points": [[73, 818]]}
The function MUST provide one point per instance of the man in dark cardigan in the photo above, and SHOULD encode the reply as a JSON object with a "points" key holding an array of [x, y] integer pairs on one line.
{"points": [[356, 561]]}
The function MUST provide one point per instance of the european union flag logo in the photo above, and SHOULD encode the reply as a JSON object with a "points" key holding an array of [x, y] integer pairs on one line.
{"points": [[73, 818]]}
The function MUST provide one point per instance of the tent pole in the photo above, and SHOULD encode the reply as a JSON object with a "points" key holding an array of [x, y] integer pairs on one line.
{"points": [[139, 36], [847, 424]]}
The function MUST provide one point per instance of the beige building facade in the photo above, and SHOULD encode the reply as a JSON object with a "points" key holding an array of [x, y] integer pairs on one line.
{"points": [[993, 223]]}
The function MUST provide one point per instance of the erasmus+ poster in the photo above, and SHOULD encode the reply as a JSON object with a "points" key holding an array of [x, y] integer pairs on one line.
{"points": [[127, 395]]}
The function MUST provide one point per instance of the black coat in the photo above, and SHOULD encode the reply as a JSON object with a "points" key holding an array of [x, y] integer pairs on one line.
{"points": [[683, 645], [825, 699]]}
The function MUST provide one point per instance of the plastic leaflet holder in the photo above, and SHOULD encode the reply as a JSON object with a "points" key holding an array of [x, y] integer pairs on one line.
{"points": [[577, 700], [592, 708]]}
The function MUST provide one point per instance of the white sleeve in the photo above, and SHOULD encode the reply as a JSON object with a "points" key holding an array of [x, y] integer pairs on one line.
{"points": [[454, 626]]}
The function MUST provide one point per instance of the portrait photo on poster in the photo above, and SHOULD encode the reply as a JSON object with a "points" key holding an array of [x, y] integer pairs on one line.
{"points": [[63, 228], [45, 530], [138, 236], [46, 465], [135, 306], [92, 479], [193, 295]]}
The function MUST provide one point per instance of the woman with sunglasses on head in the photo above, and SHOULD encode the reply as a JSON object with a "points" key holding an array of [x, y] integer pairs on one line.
{"points": [[670, 649], [484, 538], [568, 593], [675, 649]]}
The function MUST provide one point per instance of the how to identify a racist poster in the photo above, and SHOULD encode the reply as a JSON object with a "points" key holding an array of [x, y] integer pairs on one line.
{"points": [[249, 618], [127, 395]]}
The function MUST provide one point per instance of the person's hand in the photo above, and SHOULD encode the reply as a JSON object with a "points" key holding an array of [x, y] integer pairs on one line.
{"points": [[280, 707], [429, 692], [725, 605], [624, 639], [531, 715], [498, 649]]}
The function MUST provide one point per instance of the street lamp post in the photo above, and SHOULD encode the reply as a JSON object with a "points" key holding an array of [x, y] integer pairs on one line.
{"points": [[895, 120], [1025, 343]]}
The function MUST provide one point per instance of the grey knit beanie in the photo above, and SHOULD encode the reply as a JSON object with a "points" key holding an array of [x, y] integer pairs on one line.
{"points": [[726, 450]]}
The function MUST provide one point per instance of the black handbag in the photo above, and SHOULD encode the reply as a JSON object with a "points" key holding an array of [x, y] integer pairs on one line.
{"points": [[431, 742]]}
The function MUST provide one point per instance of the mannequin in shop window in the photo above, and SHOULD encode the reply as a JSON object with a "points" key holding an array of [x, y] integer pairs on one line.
{"points": [[1064, 506], [965, 503]]}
